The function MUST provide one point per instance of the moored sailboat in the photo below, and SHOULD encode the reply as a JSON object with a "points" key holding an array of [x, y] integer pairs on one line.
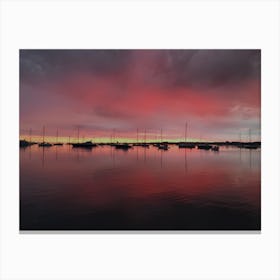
{"points": [[44, 144], [123, 146], [57, 143], [186, 144], [87, 144]]}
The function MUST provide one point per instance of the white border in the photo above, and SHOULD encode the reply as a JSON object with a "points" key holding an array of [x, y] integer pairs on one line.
{"points": [[153, 24]]}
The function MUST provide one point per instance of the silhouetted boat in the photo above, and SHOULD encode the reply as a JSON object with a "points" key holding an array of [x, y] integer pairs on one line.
{"points": [[238, 145], [137, 139], [186, 145], [204, 146], [24, 143], [44, 144], [124, 146], [87, 145], [112, 144], [251, 146], [163, 147], [137, 144], [144, 145], [57, 143], [215, 148]]}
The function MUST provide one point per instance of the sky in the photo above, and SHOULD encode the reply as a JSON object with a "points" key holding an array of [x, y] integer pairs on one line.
{"points": [[112, 93]]}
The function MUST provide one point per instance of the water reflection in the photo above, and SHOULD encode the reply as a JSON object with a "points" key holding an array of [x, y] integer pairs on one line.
{"points": [[143, 188], [186, 162]]}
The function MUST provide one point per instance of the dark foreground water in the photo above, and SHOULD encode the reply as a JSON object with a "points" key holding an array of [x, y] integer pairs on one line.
{"points": [[62, 188]]}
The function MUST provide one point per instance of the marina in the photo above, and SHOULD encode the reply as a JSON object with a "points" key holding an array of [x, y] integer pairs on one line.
{"points": [[140, 139]]}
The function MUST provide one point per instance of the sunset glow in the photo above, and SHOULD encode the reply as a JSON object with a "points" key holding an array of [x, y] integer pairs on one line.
{"points": [[109, 94]]}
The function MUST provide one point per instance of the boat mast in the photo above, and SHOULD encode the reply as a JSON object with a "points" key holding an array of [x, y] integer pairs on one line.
{"points": [[145, 136], [30, 132], [137, 136], [78, 134], [43, 134], [250, 135], [57, 135], [186, 128], [161, 135]]}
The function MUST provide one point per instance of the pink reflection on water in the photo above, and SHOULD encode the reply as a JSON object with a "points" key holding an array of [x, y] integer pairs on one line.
{"points": [[90, 180]]}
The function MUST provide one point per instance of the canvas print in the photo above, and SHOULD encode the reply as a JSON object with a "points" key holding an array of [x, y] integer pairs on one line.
{"points": [[140, 139]]}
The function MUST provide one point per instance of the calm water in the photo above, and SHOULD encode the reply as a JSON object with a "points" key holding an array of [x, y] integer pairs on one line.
{"points": [[103, 188]]}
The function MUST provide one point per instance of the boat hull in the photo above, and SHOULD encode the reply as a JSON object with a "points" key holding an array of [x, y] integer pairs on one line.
{"points": [[86, 145], [186, 145]]}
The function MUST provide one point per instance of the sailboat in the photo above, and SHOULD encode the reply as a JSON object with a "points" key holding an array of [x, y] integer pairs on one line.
{"points": [[162, 146], [145, 145], [87, 144], [123, 146], [185, 144], [215, 148], [251, 145], [24, 143], [44, 144], [57, 143], [204, 146], [137, 138]]}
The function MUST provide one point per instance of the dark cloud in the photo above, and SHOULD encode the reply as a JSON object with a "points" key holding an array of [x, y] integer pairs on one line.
{"points": [[52, 65], [211, 68], [162, 68]]}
